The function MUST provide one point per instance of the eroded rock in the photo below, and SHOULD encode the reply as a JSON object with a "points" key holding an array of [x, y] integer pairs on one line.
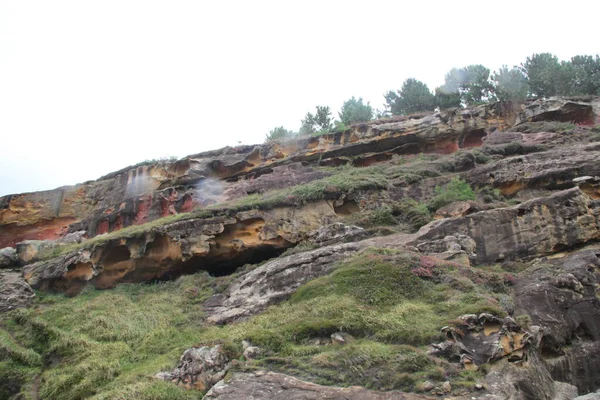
{"points": [[8, 257], [199, 368], [538, 227], [275, 386], [14, 291]]}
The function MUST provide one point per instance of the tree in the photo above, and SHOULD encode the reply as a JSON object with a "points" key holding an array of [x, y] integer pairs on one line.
{"points": [[318, 123], [446, 98], [354, 110], [583, 74], [510, 85], [280, 133], [471, 83], [414, 96], [542, 71]]}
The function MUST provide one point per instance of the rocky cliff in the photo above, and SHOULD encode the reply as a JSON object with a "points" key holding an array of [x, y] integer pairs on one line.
{"points": [[449, 254]]}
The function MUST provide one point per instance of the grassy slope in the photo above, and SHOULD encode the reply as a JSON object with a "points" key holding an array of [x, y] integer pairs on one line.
{"points": [[109, 344]]}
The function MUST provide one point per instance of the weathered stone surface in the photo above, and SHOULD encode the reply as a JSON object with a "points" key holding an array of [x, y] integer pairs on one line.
{"points": [[14, 291], [554, 169], [273, 282], [456, 209], [138, 194], [581, 110], [215, 244], [561, 297], [199, 368], [475, 340], [8, 257], [274, 386], [335, 233], [28, 250], [538, 227]]}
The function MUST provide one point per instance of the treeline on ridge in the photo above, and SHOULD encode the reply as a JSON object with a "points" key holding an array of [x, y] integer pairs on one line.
{"points": [[542, 75]]}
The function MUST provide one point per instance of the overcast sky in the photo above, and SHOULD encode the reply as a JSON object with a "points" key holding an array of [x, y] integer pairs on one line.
{"points": [[89, 87]]}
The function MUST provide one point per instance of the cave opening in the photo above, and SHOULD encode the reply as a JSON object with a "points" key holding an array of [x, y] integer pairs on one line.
{"points": [[472, 139], [222, 266]]}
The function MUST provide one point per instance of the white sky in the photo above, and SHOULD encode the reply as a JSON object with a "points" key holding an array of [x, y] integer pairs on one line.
{"points": [[88, 87]]}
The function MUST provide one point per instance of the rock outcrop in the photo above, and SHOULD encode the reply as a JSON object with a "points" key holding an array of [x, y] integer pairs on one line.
{"points": [[218, 245], [271, 385], [520, 262], [541, 226], [14, 291], [199, 368]]}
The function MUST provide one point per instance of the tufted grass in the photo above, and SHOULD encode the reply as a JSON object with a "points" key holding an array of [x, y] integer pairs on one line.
{"points": [[110, 344]]}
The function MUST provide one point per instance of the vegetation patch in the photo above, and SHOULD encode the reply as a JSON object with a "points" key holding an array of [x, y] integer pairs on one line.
{"points": [[455, 190]]}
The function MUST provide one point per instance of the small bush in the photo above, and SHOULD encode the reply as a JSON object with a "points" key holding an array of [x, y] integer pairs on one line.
{"points": [[455, 190]]}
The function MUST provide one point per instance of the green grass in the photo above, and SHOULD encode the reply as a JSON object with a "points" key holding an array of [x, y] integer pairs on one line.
{"points": [[107, 341], [109, 344], [455, 190]]}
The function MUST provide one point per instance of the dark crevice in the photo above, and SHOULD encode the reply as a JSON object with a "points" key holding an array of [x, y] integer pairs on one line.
{"points": [[220, 266]]}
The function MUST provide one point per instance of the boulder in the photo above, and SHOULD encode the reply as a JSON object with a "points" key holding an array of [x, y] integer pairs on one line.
{"points": [[8, 257], [199, 368], [28, 251], [14, 291]]}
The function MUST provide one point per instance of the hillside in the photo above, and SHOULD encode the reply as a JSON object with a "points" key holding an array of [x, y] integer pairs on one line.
{"points": [[452, 254]]}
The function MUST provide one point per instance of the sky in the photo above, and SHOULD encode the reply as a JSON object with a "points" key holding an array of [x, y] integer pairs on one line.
{"points": [[89, 87]]}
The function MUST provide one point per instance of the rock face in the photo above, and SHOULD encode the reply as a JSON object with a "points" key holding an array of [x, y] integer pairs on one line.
{"points": [[143, 193], [538, 227], [582, 110], [218, 245], [270, 385], [561, 297], [550, 170]]}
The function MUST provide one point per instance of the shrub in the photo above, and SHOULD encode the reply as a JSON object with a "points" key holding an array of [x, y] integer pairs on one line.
{"points": [[280, 133], [455, 190], [354, 110]]}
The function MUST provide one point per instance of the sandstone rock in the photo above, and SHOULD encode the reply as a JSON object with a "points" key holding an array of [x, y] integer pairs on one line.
{"points": [[28, 250], [582, 110], [14, 291], [453, 244], [561, 297], [199, 368], [251, 352], [8, 257], [142, 193], [335, 233], [446, 387], [181, 247], [531, 229], [456, 209], [589, 185], [550, 170], [275, 386], [589, 396], [427, 386], [341, 338], [273, 282], [476, 340]]}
